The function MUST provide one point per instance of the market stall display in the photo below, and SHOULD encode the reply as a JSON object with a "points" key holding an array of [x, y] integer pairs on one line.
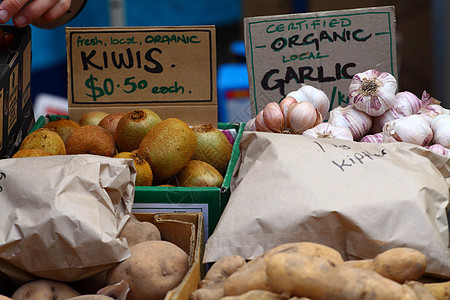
{"points": [[337, 188]]}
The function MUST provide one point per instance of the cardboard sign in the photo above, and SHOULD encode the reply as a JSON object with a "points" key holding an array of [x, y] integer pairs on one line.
{"points": [[16, 108], [322, 49], [171, 70]]}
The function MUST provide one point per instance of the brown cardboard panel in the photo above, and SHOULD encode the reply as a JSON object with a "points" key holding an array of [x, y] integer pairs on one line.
{"points": [[16, 111], [13, 105], [324, 49], [26, 76], [159, 68], [186, 231]]}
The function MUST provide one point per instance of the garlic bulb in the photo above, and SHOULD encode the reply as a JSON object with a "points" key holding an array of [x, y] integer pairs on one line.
{"points": [[314, 95], [413, 129], [373, 92], [431, 111], [406, 104], [373, 138], [250, 125], [439, 149], [285, 104], [260, 124], [326, 130], [302, 116], [288, 117], [441, 130], [273, 117], [357, 121]]}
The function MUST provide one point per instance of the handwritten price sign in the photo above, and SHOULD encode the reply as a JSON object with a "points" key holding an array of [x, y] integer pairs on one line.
{"points": [[130, 85], [141, 65]]}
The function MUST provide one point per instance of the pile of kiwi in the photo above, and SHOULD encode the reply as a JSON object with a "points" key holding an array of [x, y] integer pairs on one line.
{"points": [[165, 152]]}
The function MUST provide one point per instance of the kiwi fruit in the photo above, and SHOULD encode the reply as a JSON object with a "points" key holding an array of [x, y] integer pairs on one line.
{"points": [[168, 147], [212, 147], [31, 153], [144, 174], [63, 127], [110, 122], [92, 118], [198, 173], [45, 139], [91, 139], [132, 128]]}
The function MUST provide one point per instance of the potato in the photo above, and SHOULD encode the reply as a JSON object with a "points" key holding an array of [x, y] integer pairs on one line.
{"points": [[221, 270], [91, 297], [255, 295], [319, 278], [310, 249], [153, 269], [440, 291], [136, 232], [211, 287], [421, 290], [252, 276], [3, 297], [44, 289], [207, 294], [399, 264]]}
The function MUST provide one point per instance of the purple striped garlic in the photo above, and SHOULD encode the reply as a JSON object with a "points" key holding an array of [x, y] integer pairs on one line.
{"points": [[373, 92], [406, 104], [327, 130], [437, 148], [373, 138], [413, 129], [357, 121]]}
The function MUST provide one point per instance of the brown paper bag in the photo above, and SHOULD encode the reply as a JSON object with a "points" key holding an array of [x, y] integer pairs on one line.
{"points": [[359, 198], [61, 215]]}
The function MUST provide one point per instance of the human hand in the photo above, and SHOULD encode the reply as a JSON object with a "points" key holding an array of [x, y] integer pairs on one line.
{"points": [[25, 12]]}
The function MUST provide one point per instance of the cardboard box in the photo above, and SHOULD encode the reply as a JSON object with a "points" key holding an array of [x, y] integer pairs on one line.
{"points": [[17, 117], [186, 231], [210, 201]]}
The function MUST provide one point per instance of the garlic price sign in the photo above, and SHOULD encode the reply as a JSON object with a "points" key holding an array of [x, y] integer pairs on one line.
{"points": [[322, 49], [170, 70]]}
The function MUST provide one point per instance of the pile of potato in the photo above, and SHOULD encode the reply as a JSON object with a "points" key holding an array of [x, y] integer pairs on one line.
{"points": [[154, 268], [306, 270]]}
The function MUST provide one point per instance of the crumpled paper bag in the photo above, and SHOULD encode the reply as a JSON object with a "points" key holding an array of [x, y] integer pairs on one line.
{"points": [[359, 198], [60, 216]]}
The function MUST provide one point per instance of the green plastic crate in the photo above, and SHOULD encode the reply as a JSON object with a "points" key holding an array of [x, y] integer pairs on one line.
{"points": [[210, 201]]}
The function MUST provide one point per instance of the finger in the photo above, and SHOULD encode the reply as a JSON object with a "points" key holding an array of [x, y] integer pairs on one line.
{"points": [[9, 8], [33, 11], [54, 12]]}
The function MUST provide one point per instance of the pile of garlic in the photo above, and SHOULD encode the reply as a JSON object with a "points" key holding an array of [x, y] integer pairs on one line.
{"points": [[375, 114]]}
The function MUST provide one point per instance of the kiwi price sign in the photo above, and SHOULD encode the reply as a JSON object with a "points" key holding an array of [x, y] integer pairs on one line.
{"points": [[141, 65], [323, 49], [128, 86]]}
